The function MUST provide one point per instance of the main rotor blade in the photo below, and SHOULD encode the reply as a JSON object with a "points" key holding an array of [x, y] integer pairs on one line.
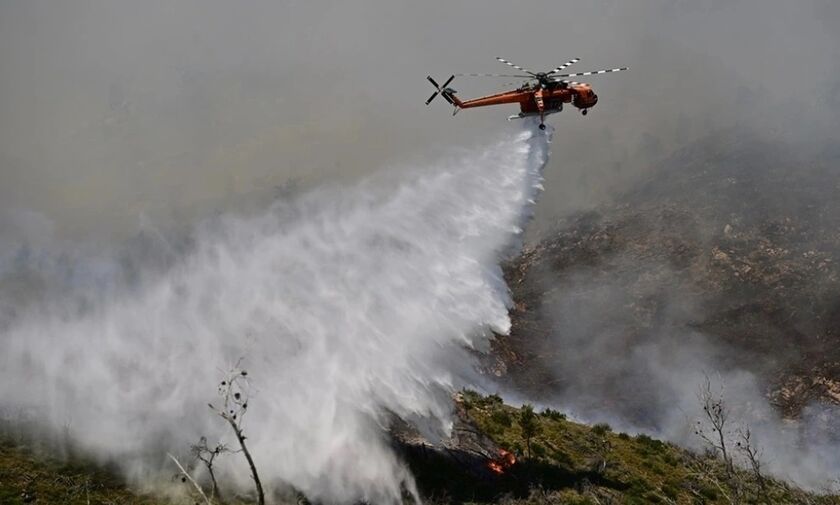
{"points": [[448, 81], [563, 66], [431, 98], [594, 72], [496, 75], [429, 77], [517, 67]]}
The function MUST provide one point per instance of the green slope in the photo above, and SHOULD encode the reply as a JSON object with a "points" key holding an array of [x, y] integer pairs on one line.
{"points": [[26, 477], [570, 463], [577, 463]]}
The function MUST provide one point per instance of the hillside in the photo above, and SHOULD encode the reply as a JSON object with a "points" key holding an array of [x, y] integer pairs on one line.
{"points": [[579, 464], [570, 463], [726, 256], [724, 259], [32, 477]]}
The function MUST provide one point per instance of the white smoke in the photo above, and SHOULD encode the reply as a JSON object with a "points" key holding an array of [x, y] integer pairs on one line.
{"points": [[346, 304]]}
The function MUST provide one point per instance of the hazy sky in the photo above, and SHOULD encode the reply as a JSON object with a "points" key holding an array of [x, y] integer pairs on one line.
{"points": [[112, 113]]}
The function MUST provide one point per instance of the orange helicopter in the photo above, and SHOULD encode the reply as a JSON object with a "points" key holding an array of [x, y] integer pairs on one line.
{"points": [[543, 93]]}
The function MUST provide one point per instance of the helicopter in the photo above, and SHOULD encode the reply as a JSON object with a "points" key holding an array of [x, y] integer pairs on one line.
{"points": [[542, 93]]}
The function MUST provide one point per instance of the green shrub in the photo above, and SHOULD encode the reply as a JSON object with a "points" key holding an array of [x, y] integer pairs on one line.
{"points": [[601, 428], [639, 487], [501, 417], [650, 442], [709, 492], [470, 398], [553, 415], [670, 491], [669, 459], [494, 398], [623, 436], [493, 429], [652, 497]]}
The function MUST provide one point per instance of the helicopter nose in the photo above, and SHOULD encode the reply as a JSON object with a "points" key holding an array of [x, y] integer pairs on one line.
{"points": [[585, 101]]}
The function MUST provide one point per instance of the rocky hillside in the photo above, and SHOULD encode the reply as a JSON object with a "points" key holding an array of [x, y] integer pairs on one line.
{"points": [[730, 250]]}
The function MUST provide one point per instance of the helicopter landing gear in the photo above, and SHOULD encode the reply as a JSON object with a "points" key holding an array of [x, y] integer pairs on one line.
{"points": [[584, 111], [542, 126]]}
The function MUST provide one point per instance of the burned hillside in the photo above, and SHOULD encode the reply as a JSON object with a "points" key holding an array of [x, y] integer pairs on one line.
{"points": [[725, 259]]}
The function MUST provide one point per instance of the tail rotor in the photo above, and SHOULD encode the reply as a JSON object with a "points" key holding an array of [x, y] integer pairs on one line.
{"points": [[441, 90]]}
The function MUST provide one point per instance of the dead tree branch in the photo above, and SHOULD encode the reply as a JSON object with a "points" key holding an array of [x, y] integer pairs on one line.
{"points": [[752, 453], [208, 455], [186, 475], [235, 392], [716, 415]]}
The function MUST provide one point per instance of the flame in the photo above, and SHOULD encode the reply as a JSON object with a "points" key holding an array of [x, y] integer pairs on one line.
{"points": [[502, 462]]}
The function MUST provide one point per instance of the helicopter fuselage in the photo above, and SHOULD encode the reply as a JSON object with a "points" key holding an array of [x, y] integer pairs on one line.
{"points": [[543, 94], [538, 98]]}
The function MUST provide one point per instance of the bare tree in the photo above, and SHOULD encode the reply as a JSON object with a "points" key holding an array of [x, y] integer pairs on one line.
{"points": [[716, 415], [753, 456], [235, 392], [208, 455]]}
